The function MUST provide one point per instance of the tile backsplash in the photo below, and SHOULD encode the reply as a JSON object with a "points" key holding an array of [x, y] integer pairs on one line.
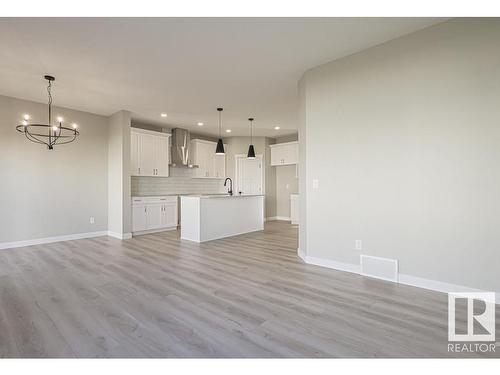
{"points": [[179, 182]]}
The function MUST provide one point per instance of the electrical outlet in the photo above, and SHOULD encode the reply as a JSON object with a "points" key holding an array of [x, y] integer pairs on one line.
{"points": [[92, 220], [287, 186], [358, 244], [315, 184]]}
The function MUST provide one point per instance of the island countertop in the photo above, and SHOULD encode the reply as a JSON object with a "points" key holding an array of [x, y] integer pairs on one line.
{"points": [[210, 196], [209, 217]]}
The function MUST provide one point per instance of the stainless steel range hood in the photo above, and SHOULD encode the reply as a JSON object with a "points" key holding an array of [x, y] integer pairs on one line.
{"points": [[181, 157]]}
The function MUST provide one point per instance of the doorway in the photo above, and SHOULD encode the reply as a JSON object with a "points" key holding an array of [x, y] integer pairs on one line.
{"points": [[249, 175]]}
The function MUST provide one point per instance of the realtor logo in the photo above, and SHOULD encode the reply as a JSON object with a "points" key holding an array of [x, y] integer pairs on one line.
{"points": [[478, 310]]}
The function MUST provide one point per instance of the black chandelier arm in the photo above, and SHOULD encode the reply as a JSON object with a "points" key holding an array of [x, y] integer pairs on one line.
{"points": [[63, 143], [72, 132], [33, 139]]}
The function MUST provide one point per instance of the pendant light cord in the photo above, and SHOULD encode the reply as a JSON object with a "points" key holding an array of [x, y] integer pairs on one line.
{"points": [[50, 102], [251, 132], [251, 129]]}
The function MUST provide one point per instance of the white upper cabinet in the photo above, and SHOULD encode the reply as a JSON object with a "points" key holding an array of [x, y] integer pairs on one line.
{"points": [[285, 153], [209, 164], [162, 152], [149, 153]]}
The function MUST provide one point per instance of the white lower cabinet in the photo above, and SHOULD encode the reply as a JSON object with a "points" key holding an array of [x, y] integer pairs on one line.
{"points": [[139, 217], [153, 214]]}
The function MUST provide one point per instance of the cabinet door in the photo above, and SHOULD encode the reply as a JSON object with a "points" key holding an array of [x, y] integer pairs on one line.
{"points": [[154, 212], [203, 154], [209, 151], [161, 156], [290, 154], [134, 154], [139, 218], [196, 159], [169, 215], [147, 148], [276, 155]]}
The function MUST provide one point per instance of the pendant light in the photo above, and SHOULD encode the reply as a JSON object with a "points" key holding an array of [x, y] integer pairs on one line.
{"points": [[251, 151], [220, 146]]}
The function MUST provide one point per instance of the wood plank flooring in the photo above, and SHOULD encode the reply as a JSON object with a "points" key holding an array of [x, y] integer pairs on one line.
{"points": [[245, 296]]}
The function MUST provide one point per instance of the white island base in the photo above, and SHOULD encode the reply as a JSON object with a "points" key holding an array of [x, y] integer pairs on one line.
{"points": [[205, 218]]}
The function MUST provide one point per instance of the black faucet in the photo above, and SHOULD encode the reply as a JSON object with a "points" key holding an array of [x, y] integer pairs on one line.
{"points": [[230, 191]]}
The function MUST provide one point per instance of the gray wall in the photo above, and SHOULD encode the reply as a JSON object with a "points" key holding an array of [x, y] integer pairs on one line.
{"points": [[404, 139], [119, 203], [51, 193]]}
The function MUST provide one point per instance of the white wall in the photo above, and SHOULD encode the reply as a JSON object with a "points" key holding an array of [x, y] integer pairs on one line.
{"points": [[51, 193], [287, 182], [239, 145], [404, 139]]}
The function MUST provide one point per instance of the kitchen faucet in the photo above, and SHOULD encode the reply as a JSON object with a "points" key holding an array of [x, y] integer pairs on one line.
{"points": [[230, 191]]}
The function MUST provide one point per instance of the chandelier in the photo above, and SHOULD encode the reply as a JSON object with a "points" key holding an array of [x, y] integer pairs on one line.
{"points": [[48, 134]]}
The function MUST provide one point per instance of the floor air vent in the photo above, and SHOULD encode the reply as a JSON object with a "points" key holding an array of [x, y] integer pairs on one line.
{"points": [[380, 268]]}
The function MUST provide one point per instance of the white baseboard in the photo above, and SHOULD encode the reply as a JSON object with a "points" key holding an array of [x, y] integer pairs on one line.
{"points": [[274, 218], [340, 266], [150, 231], [120, 236], [419, 282], [440, 286], [301, 255], [40, 241]]}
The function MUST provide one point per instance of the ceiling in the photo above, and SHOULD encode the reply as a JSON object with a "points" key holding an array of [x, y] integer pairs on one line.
{"points": [[185, 67]]}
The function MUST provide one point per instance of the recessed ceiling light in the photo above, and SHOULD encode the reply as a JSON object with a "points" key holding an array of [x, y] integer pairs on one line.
{"points": [[228, 130], [163, 115], [277, 128], [200, 124]]}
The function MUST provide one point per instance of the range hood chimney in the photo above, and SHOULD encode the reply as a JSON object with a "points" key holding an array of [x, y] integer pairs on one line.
{"points": [[180, 149]]}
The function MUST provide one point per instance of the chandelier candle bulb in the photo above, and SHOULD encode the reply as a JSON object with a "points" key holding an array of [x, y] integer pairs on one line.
{"points": [[26, 117]]}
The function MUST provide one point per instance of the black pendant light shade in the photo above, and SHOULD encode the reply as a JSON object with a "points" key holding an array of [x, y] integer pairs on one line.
{"points": [[251, 151], [219, 150]]}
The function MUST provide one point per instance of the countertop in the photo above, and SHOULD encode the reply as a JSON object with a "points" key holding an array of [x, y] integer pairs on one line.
{"points": [[174, 195], [211, 196]]}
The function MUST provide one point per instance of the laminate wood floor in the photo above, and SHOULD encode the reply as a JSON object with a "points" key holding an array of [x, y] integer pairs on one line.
{"points": [[245, 296]]}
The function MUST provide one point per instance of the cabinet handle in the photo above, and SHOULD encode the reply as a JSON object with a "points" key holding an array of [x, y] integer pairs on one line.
{"points": [[144, 209], [139, 170]]}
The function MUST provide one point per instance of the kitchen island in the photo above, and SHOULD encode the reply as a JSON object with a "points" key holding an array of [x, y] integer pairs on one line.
{"points": [[209, 217]]}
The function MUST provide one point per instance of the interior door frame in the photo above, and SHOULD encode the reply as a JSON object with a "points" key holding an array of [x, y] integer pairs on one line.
{"points": [[263, 174]]}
